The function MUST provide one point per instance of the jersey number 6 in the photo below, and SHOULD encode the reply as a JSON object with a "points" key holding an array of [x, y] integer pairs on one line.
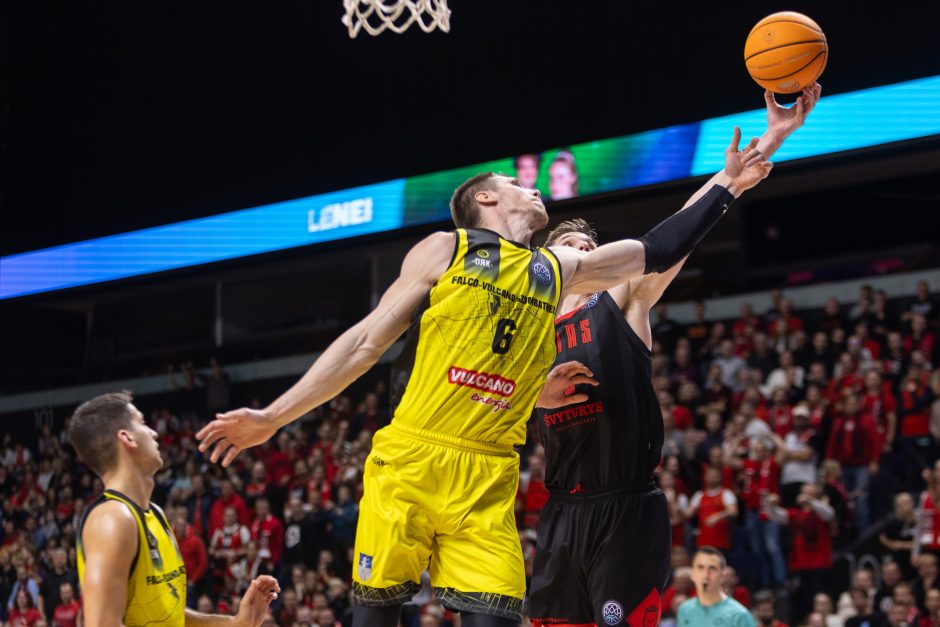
{"points": [[503, 337]]}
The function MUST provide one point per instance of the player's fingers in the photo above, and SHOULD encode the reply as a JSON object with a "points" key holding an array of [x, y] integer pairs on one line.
{"points": [[579, 379], [735, 140], [753, 143], [208, 434], [230, 456], [220, 448], [570, 368], [754, 157], [576, 398], [769, 97]]}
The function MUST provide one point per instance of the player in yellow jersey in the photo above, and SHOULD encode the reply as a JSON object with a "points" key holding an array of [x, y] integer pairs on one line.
{"points": [[479, 304], [129, 564]]}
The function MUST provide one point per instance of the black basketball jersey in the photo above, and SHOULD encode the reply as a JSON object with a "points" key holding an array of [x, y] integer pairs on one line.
{"points": [[616, 436]]}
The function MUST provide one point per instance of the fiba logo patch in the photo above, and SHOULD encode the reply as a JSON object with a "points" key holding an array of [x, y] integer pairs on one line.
{"points": [[542, 274], [612, 612], [365, 566], [592, 301]]}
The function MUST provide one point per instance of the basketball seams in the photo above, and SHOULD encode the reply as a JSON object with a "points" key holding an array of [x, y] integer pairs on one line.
{"points": [[792, 43], [777, 78], [761, 25]]}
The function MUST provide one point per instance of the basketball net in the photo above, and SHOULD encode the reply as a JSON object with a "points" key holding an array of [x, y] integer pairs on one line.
{"points": [[377, 15]]}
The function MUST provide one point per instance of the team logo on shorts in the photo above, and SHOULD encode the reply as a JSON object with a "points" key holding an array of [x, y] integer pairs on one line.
{"points": [[542, 274], [592, 301], [365, 566], [612, 612]]}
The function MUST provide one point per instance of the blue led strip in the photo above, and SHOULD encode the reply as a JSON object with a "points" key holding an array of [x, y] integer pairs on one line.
{"points": [[868, 117], [311, 220], [843, 122]]}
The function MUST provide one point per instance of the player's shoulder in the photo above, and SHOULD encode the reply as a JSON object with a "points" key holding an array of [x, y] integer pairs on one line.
{"points": [[432, 254], [109, 519]]}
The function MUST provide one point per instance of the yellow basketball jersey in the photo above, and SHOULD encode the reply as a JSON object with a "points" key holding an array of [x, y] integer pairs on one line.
{"points": [[478, 350], [156, 587]]}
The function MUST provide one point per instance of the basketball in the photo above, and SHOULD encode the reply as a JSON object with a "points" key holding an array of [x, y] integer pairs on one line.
{"points": [[785, 52]]}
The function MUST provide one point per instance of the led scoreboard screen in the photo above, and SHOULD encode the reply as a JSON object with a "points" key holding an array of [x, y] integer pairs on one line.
{"points": [[839, 123]]}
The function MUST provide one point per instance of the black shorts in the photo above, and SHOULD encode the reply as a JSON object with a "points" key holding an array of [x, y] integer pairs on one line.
{"points": [[602, 558]]}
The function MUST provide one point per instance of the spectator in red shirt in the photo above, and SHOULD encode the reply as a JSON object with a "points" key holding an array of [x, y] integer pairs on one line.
{"points": [[786, 323], [24, 613], [533, 495], [195, 558], [268, 531], [879, 403], [811, 546], [714, 508], [229, 543], [68, 612], [760, 476], [855, 444], [682, 417], [747, 320], [914, 442], [260, 485], [920, 338], [227, 498], [780, 413]]}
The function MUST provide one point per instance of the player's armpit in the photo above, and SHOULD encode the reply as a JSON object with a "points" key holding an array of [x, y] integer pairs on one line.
{"points": [[110, 542]]}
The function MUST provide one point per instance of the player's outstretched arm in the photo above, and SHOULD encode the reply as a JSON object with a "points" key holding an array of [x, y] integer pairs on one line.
{"points": [[109, 542], [251, 611], [672, 239], [346, 359]]}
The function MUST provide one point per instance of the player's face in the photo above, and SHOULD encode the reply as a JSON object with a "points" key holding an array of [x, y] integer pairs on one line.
{"points": [[581, 241], [514, 197], [146, 438]]}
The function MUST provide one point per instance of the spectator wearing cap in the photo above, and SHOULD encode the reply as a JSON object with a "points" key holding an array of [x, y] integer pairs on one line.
{"points": [[796, 454]]}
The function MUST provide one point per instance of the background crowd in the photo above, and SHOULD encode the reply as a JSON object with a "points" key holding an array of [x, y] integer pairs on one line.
{"points": [[796, 442]]}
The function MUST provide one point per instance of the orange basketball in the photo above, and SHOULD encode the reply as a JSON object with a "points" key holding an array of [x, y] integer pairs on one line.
{"points": [[785, 52]]}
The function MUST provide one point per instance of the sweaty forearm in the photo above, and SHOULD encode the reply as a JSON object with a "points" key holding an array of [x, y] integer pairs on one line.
{"points": [[675, 237]]}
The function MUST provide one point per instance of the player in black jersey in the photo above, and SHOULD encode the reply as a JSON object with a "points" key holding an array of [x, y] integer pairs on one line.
{"points": [[604, 538]]}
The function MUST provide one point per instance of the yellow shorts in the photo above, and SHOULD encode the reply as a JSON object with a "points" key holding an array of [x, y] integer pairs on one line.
{"points": [[445, 504]]}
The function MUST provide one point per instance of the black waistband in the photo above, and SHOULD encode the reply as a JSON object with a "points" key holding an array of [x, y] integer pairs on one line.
{"points": [[579, 494]]}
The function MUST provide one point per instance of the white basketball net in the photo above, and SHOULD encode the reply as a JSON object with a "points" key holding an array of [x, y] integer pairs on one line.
{"points": [[377, 15]]}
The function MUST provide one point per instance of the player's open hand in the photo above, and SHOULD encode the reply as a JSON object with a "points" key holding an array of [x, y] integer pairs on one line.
{"points": [[234, 431], [560, 383], [781, 120], [254, 604], [746, 167]]}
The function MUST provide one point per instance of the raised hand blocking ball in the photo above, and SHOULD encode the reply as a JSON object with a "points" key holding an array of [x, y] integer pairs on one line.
{"points": [[785, 52]]}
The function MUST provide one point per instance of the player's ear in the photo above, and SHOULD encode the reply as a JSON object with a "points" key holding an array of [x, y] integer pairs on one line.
{"points": [[126, 438], [486, 197]]}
